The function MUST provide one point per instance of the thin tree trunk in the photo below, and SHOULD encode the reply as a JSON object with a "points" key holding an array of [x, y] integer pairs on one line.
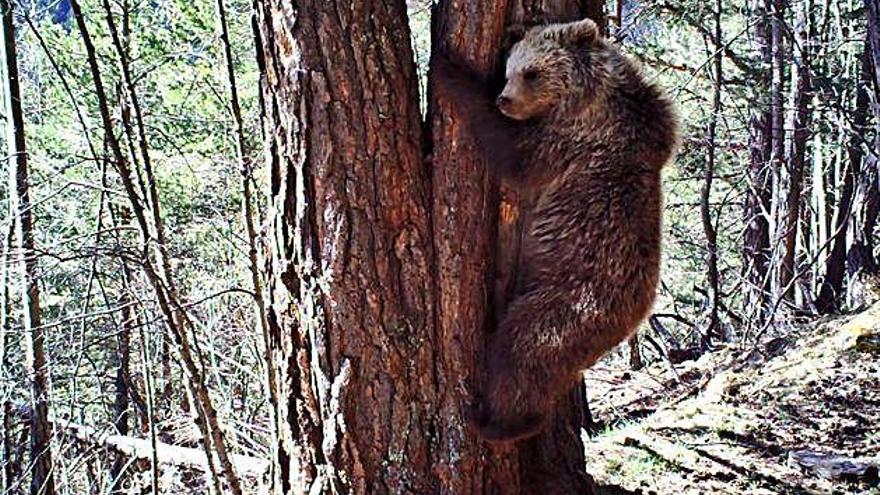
{"points": [[151, 415], [122, 385], [246, 166], [6, 378], [777, 139], [872, 15], [819, 208], [712, 277], [42, 480], [619, 14], [835, 265], [202, 402], [756, 242], [161, 280], [798, 134], [152, 196], [129, 325], [635, 354]]}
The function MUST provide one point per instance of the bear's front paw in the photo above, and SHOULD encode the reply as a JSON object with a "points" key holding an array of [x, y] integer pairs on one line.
{"points": [[497, 429], [444, 71], [507, 430]]}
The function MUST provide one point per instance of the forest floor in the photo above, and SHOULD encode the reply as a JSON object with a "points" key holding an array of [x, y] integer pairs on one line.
{"points": [[799, 415]]}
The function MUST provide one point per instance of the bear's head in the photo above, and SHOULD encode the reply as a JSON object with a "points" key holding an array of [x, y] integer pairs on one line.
{"points": [[550, 65]]}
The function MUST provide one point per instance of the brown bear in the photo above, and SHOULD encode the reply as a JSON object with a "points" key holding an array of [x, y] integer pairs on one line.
{"points": [[583, 136]]}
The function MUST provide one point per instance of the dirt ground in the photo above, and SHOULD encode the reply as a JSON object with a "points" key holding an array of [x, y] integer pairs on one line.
{"points": [[788, 418]]}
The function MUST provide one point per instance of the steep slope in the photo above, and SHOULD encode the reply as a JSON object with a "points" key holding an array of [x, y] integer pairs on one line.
{"points": [[792, 417]]}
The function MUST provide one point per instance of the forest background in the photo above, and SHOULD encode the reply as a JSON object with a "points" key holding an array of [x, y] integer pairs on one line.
{"points": [[770, 220]]}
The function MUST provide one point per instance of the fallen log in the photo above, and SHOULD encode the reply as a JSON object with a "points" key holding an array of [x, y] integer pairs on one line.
{"points": [[167, 454]]}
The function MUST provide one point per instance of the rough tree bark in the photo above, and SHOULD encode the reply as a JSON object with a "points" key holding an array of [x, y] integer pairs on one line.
{"points": [[465, 216], [350, 289], [42, 479], [756, 241], [382, 270]]}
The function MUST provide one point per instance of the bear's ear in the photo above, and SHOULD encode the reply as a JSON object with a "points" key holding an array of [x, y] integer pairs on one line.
{"points": [[583, 32], [515, 32], [513, 35]]}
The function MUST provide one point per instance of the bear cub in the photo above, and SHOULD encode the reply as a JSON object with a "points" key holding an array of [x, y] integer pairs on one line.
{"points": [[583, 136]]}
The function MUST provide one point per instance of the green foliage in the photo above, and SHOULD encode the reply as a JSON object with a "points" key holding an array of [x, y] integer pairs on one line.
{"points": [[83, 224]]}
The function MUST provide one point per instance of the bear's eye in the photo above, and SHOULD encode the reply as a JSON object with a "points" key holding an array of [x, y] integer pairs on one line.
{"points": [[531, 75]]}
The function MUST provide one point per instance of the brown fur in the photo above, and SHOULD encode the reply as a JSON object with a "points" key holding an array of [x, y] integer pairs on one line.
{"points": [[586, 142]]}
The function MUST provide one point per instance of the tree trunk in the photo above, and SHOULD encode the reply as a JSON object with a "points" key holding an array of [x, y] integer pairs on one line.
{"points": [[248, 212], [862, 252], [122, 385], [350, 290], [756, 242], [872, 13], [6, 378], [466, 212], [635, 354], [835, 265], [490, 220], [712, 277], [777, 137], [384, 274], [42, 480], [798, 134]]}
